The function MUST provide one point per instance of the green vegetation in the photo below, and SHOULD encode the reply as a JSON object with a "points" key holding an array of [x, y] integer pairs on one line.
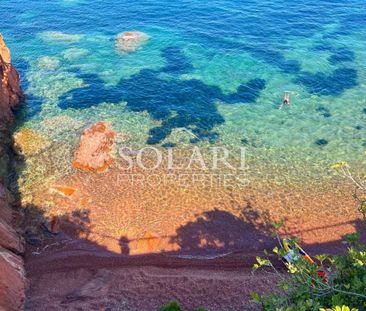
{"points": [[174, 306], [305, 290], [333, 283]]}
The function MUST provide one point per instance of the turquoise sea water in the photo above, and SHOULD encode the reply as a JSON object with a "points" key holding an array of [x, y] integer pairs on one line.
{"points": [[218, 68]]}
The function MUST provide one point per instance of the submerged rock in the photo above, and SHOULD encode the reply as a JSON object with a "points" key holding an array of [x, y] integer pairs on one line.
{"points": [[48, 63], [58, 36], [130, 41], [28, 142], [74, 53], [94, 152], [64, 190], [60, 125]]}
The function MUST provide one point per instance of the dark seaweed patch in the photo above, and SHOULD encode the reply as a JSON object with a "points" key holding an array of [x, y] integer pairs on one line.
{"points": [[334, 84], [341, 55], [177, 103], [321, 142], [245, 141], [324, 111]]}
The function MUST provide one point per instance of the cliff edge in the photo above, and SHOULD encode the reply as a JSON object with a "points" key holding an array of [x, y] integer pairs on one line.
{"points": [[11, 93], [12, 276]]}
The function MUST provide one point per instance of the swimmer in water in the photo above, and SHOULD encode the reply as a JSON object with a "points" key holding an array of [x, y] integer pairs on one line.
{"points": [[286, 99]]}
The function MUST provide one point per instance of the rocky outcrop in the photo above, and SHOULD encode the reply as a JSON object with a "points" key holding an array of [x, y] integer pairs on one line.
{"points": [[12, 275], [12, 281], [95, 150], [130, 41], [11, 93]]}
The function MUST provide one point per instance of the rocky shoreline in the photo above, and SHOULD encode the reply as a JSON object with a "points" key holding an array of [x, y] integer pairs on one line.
{"points": [[12, 276]]}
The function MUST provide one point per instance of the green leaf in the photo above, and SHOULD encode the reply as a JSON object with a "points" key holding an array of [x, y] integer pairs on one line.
{"points": [[262, 261], [256, 298]]}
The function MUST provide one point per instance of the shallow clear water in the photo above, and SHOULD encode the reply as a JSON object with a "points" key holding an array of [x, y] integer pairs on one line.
{"points": [[218, 68]]}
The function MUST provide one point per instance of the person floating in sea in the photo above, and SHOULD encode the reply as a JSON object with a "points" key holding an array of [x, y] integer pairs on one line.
{"points": [[286, 99]]}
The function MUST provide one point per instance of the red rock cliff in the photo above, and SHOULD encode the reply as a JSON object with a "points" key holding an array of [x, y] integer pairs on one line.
{"points": [[11, 93], [12, 275]]}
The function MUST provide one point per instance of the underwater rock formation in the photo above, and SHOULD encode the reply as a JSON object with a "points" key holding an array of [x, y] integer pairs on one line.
{"points": [[130, 41], [29, 143], [64, 190], [60, 37], [12, 275], [94, 152]]}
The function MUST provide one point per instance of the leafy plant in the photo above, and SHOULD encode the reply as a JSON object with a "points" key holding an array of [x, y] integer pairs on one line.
{"points": [[305, 289], [174, 306], [338, 308]]}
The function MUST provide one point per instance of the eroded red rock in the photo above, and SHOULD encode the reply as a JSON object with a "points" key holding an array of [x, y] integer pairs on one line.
{"points": [[11, 93], [6, 214], [9, 238], [95, 150], [12, 281], [4, 51]]}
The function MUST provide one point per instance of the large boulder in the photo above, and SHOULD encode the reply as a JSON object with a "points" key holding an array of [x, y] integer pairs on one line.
{"points": [[130, 41], [11, 93], [95, 149], [12, 281]]}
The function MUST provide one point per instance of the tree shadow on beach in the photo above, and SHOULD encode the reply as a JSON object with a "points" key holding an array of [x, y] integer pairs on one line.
{"points": [[219, 231]]}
